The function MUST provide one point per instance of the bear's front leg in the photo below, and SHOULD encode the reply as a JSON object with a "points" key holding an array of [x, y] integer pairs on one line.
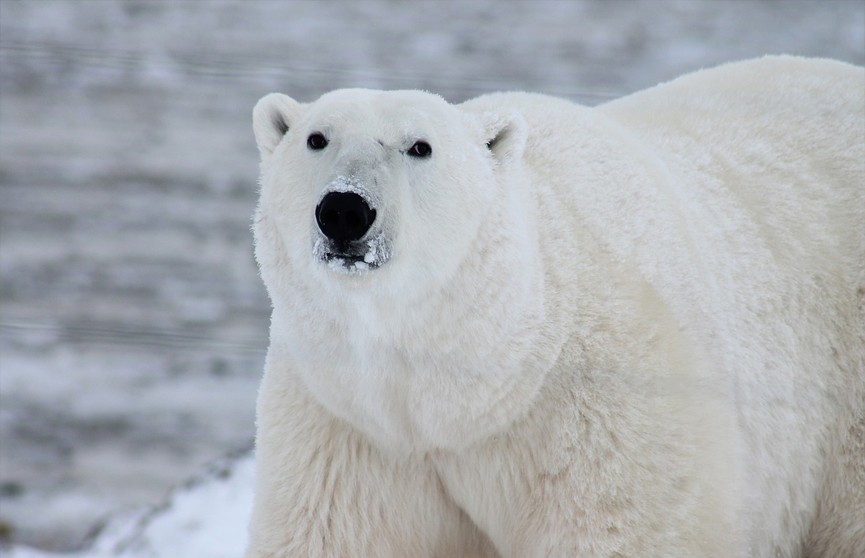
{"points": [[323, 490]]}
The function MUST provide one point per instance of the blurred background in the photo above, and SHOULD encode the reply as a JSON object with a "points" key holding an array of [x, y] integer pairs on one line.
{"points": [[133, 324]]}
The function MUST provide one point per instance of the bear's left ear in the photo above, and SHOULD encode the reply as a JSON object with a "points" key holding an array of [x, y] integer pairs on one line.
{"points": [[272, 117], [504, 134]]}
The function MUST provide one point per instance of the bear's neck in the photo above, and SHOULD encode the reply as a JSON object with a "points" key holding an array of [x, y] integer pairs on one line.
{"points": [[443, 371]]}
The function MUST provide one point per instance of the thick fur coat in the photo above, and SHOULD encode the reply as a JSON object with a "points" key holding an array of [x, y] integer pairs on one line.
{"points": [[630, 330]]}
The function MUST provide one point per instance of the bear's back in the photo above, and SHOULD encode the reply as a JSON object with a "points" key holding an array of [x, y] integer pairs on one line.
{"points": [[784, 137]]}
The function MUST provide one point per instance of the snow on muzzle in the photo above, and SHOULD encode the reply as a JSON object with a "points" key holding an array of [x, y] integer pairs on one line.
{"points": [[344, 220]]}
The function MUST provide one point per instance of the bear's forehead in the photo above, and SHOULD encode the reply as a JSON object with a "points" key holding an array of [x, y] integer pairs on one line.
{"points": [[366, 104], [378, 97]]}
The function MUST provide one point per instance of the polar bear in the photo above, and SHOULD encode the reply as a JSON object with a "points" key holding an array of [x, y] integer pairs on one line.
{"points": [[520, 327]]}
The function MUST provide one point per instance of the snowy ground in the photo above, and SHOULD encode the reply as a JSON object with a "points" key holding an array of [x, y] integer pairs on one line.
{"points": [[132, 321], [204, 517]]}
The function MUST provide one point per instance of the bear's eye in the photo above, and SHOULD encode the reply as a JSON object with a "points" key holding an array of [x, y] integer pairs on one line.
{"points": [[420, 149], [316, 141]]}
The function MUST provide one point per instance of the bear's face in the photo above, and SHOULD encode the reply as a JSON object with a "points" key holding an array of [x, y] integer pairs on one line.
{"points": [[387, 187]]}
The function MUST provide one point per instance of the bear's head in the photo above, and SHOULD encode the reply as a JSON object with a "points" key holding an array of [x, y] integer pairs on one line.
{"points": [[384, 187], [387, 223]]}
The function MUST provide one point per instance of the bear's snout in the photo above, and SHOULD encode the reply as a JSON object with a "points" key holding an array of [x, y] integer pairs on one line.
{"points": [[344, 216]]}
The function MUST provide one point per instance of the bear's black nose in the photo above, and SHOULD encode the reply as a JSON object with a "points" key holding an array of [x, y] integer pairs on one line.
{"points": [[344, 216]]}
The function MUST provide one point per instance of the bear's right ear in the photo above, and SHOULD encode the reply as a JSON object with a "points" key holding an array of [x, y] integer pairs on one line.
{"points": [[272, 117]]}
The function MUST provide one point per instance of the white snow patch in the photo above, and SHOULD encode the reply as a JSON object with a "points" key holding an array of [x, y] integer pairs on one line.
{"points": [[206, 518]]}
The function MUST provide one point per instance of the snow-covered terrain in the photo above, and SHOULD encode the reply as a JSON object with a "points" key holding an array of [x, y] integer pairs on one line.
{"points": [[205, 517], [132, 321]]}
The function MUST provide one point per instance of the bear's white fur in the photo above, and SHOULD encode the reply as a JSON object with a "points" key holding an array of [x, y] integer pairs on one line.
{"points": [[630, 330]]}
